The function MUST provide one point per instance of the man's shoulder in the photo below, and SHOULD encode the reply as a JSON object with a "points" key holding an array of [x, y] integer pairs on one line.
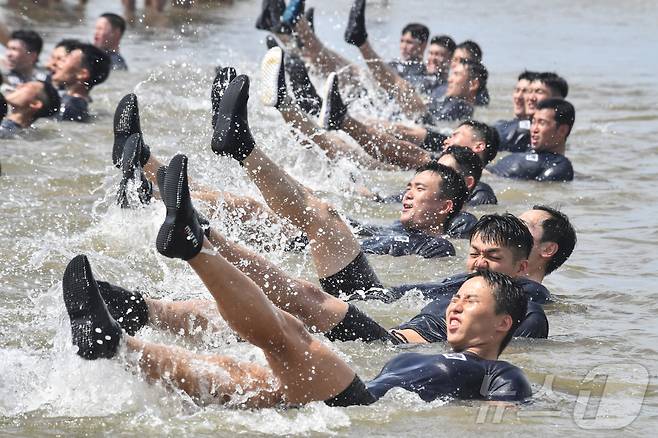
{"points": [[505, 381]]}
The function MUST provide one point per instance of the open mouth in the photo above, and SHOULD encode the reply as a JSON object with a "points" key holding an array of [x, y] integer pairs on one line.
{"points": [[407, 206], [453, 323]]}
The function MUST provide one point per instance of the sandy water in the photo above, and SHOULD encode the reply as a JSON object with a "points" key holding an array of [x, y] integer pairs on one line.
{"points": [[58, 188]]}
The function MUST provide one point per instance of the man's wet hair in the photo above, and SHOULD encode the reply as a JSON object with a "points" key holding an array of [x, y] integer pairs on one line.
{"points": [[476, 70], [50, 99], [472, 48], [116, 21], [417, 31], [565, 113], [557, 229], [528, 75], [69, 44], [97, 62], [444, 41], [489, 135], [509, 299], [556, 83], [468, 161], [505, 230], [30, 38], [452, 186]]}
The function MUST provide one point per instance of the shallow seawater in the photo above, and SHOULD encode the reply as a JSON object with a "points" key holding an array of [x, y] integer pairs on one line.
{"points": [[58, 200]]}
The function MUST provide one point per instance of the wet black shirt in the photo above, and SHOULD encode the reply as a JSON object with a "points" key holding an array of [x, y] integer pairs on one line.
{"points": [[514, 135], [9, 129], [455, 375], [542, 166], [73, 108], [461, 225], [482, 194], [116, 61], [447, 109], [396, 240]]}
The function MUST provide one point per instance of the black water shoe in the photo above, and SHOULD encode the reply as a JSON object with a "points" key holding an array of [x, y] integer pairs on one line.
{"points": [[93, 330], [333, 109], [232, 137], [355, 33], [180, 235]]}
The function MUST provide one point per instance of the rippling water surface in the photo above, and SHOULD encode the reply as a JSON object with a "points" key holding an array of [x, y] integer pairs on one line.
{"points": [[58, 188]]}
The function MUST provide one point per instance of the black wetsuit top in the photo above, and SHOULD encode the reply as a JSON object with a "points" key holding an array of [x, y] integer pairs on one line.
{"points": [[482, 98], [447, 109], [514, 135], [413, 72], [458, 375], [9, 129], [541, 166], [12, 78], [74, 109], [116, 61], [461, 225], [396, 240], [482, 194]]}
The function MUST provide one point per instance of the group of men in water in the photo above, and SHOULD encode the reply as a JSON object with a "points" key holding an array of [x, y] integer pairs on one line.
{"points": [[499, 296], [62, 87]]}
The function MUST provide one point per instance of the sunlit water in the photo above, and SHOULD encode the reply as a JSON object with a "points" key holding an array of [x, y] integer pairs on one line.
{"points": [[59, 185]]}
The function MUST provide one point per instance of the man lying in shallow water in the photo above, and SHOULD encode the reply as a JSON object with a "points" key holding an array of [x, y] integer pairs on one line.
{"points": [[481, 320]]}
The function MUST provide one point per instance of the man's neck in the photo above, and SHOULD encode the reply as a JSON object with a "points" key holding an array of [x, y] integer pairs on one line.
{"points": [[21, 119], [78, 90], [487, 352], [537, 274], [557, 149], [25, 73]]}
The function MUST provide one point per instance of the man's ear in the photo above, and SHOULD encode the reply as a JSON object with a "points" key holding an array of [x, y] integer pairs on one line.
{"points": [[474, 85], [470, 182], [83, 76], [479, 146], [36, 106], [447, 206], [523, 268], [548, 249], [505, 324], [563, 130]]}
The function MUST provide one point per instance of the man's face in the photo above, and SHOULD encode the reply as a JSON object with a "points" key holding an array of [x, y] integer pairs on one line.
{"points": [[534, 219], [411, 49], [422, 204], [105, 36], [545, 134], [518, 98], [537, 91], [19, 58], [460, 55], [459, 84], [69, 68], [55, 56], [24, 95], [463, 135], [470, 317], [493, 257], [438, 58]]}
